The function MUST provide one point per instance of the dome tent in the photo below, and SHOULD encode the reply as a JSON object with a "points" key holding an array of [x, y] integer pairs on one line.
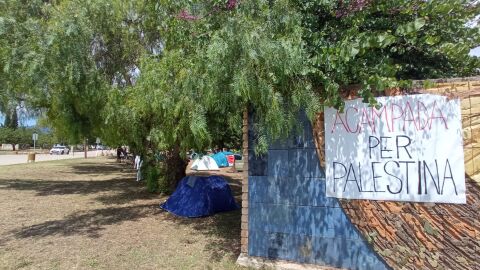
{"points": [[198, 196], [221, 158], [205, 163]]}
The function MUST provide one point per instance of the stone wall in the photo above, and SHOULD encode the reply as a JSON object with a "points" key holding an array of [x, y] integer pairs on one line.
{"points": [[244, 220], [9, 147]]}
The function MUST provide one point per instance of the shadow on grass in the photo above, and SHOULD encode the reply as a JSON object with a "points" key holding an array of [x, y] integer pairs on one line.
{"points": [[87, 223], [222, 229], [119, 190], [57, 187], [102, 168], [113, 192]]}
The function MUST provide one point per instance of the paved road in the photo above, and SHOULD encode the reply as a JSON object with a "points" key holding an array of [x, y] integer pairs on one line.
{"points": [[22, 158]]}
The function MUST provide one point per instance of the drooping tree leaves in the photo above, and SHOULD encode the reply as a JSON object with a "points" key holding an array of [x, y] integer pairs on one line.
{"points": [[180, 73]]}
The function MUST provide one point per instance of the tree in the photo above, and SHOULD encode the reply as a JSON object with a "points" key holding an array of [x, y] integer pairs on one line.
{"points": [[46, 139], [381, 44], [21, 71], [282, 57], [20, 136], [11, 118], [167, 102], [92, 52], [75, 86], [165, 76]]}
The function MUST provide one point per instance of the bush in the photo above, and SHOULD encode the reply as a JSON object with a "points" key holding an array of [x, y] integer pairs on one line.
{"points": [[152, 176], [156, 179], [163, 183]]}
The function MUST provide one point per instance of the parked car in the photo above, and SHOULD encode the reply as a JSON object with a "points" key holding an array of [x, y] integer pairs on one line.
{"points": [[59, 150], [102, 147]]}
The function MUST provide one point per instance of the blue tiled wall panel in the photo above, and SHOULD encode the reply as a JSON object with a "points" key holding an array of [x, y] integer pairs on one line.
{"points": [[345, 253], [279, 145], [290, 216], [308, 220], [278, 163], [257, 164], [279, 190], [337, 252], [303, 163]]}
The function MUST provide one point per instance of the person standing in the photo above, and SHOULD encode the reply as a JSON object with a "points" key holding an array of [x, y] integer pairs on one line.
{"points": [[119, 153], [138, 166]]}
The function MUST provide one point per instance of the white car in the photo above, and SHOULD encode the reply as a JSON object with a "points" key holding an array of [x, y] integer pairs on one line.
{"points": [[59, 150]]}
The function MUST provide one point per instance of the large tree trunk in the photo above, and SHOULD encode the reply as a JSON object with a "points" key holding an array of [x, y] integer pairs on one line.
{"points": [[13, 147], [176, 165]]}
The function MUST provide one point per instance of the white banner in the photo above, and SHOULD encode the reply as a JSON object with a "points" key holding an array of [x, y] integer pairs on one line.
{"points": [[409, 149]]}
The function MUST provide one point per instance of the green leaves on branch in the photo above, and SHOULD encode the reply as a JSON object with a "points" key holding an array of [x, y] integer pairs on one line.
{"points": [[410, 27], [383, 43]]}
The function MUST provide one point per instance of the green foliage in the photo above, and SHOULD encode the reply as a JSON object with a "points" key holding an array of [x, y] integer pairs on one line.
{"points": [[46, 140], [152, 177], [155, 175], [11, 118], [9, 135], [164, 186], [281, 57], [20, 62], [21, 136], [122, 126], [76, 87], [63, 56], [384, 42], [19, 37], [193, 96], [174, 75], [257, 59]]}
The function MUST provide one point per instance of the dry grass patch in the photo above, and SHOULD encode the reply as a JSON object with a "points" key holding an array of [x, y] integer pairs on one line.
{"points": [[91, 214]]}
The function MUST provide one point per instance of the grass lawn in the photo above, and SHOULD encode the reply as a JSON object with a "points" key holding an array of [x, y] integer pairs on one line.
{"points": [[91, 214]]}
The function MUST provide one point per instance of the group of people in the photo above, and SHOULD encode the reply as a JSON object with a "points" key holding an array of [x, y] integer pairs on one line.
{"points": [[137, 163], [121, 153]]}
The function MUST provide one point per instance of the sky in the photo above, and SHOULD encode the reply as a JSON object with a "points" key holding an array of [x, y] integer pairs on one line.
{"points": [[28, 123], [475, 51]]}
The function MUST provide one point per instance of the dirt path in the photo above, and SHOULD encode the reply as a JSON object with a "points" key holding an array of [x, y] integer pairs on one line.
{"points": [[91, 214]]}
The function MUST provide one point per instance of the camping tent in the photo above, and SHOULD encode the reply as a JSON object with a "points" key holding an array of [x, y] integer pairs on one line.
{"points": [[221, 158], [198, 196], [205, 163]]}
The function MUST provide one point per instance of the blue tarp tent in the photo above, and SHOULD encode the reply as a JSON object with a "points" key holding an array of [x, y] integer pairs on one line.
{"points": [[221, 158], [198, 196]]}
